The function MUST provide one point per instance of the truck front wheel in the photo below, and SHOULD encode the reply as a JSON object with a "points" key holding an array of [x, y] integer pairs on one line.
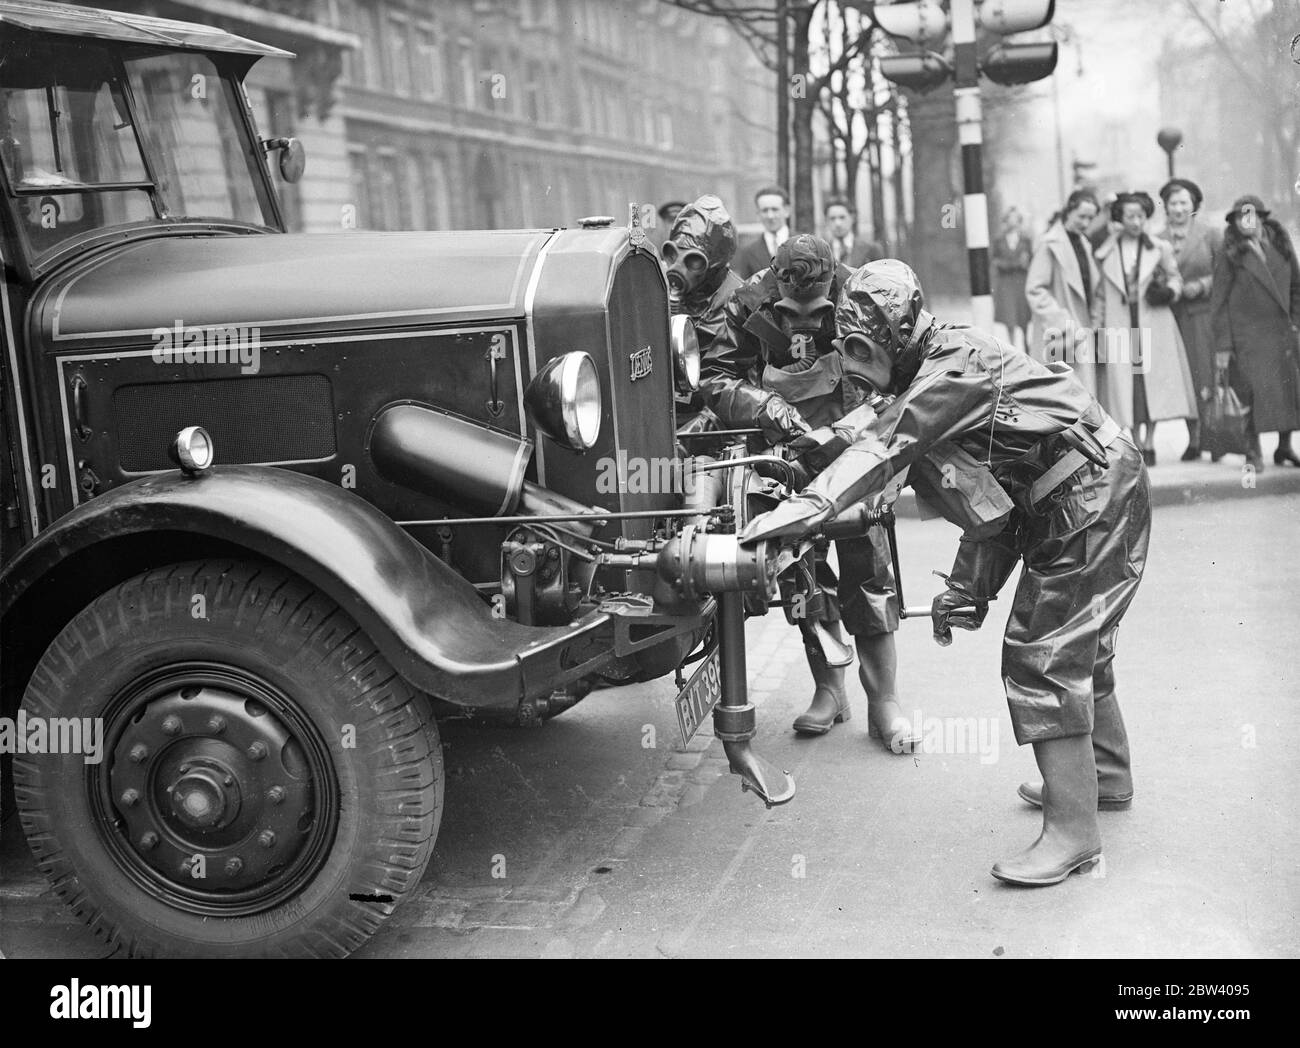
{"points": [[264, 783]]}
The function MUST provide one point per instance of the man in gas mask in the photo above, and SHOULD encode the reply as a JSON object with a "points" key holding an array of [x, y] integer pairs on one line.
{"points": [[697, 255], [1080, 524], [773, 365]]}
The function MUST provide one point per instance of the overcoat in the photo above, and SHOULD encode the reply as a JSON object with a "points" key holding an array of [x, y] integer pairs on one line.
{"points": [[1154, 349], [1255, 311]]}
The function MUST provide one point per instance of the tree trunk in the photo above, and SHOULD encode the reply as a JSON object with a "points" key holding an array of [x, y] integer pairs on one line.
{"points": [[875, 163], [937, 248], [901, 232], [804, 106]]}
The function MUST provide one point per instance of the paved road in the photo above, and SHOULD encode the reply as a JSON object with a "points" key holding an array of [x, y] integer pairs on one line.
{"points": [[604, 841]]}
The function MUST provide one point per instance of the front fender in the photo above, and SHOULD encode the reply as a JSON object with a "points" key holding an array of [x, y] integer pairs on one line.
{"points": [[427, 620]]}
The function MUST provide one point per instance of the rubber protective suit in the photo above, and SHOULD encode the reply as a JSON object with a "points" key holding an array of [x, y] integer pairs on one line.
{"points": [[1083, 539], [774, 364], [697, 256]]}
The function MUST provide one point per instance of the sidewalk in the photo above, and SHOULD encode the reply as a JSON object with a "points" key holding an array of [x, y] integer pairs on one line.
{"points": [[1175, 483]]}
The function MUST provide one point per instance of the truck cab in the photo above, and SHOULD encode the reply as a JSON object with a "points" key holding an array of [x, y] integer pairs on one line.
{"points": [[272, 500]]}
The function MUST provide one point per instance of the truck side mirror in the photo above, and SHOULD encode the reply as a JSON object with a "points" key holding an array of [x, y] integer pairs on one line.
{"points": [[293, 157]]}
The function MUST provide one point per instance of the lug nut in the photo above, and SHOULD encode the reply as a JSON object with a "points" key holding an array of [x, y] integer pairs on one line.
{"points": [[275, 794], [216, 724], [257, 751], [149, 840], [131, 798], [185, 768], [171, 725], [233, 865], [266, 839], [229, 780], [139, 753]]}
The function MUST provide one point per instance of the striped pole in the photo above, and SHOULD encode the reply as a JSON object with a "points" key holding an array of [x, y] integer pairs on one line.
{"points": [[971, 136]]}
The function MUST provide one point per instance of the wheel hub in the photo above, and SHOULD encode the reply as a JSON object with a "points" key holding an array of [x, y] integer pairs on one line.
{"points": [[211, 790], [200, 799]]}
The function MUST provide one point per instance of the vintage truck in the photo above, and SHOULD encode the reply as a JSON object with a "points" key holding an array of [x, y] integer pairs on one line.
{"points": [[270, 500]]}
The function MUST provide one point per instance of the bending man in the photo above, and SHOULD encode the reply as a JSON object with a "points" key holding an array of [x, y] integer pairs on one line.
{"points": [[1080, 524]]}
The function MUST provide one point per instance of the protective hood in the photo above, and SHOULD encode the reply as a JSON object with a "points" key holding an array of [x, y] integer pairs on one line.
{"points": [[883, 300], [699, 248], [804, 269]]}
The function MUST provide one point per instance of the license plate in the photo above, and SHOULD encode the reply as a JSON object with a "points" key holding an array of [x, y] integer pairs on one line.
{"points": [[697, 699]]}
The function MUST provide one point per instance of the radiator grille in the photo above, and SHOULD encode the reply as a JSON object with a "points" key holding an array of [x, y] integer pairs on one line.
{"points": [[277, 418], [637, 308]]}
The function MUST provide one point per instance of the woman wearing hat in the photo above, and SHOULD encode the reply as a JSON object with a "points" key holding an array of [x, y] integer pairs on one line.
{"points": [[1196, 248], [1060, 289], [1142, 369], [1255, 311]]}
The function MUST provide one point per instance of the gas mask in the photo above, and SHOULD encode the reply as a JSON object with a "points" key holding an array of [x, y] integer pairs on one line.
{"points": [[805, 271], [880, 321], [687, 268], [698, 251], [866, 356]]}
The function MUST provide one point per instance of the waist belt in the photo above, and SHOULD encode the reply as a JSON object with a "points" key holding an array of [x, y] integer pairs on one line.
{"points": [[1072, 461]]}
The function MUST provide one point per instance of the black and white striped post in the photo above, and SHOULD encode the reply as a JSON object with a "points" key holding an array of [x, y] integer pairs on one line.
{"points": [[970, 133]]}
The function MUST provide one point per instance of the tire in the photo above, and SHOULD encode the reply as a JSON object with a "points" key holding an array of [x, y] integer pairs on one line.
{"points": [[271, 732]]}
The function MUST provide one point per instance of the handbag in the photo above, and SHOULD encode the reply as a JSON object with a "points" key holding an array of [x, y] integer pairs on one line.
{"points": [[1225, 419], [1158, 292]]}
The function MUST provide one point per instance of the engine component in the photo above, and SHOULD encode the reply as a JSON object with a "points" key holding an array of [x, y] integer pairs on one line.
{"points": [[695, 563], [449, 457]]}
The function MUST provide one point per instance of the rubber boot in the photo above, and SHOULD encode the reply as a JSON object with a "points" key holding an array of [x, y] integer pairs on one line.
{"points": [[878, 671], [1071, 839], [1111, 753], [830, 705]]}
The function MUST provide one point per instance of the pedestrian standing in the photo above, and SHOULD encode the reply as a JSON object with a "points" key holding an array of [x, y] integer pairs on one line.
{"points": [[1255, 311], [1146, 374], [1011, 254], [1060, 290], [773, 206], [1196, 248], [848, 248]]}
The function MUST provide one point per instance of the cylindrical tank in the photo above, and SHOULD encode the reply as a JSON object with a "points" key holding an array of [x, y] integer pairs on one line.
{"points": [[449, 457]]}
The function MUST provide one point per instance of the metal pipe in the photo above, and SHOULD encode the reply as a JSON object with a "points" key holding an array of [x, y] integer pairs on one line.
{"points": [[719, 433], [643, 514], [750, 460], [731, 649]]}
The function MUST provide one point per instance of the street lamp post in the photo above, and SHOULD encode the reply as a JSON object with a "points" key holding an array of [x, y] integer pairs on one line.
{"points": [[1168, 139]]}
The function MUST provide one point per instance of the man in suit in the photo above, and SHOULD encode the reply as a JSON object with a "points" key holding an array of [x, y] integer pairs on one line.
{"points": [[841, 216], [773, 204]]}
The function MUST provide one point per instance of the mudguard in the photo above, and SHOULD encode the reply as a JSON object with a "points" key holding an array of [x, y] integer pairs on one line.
{"points": [[427, 620]]}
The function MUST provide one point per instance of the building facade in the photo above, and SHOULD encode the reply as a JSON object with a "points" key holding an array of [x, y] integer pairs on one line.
{"points": [[498, 113], [464, 114]]}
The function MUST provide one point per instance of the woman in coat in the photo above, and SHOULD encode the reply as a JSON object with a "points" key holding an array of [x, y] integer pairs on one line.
{"points": [[1142, 364], [1011, 254], [1060, 289], [1255, 311], [1196, 248]]}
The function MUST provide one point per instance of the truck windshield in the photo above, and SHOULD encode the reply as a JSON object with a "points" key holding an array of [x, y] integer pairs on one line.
{"points": [[90, 139]]}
